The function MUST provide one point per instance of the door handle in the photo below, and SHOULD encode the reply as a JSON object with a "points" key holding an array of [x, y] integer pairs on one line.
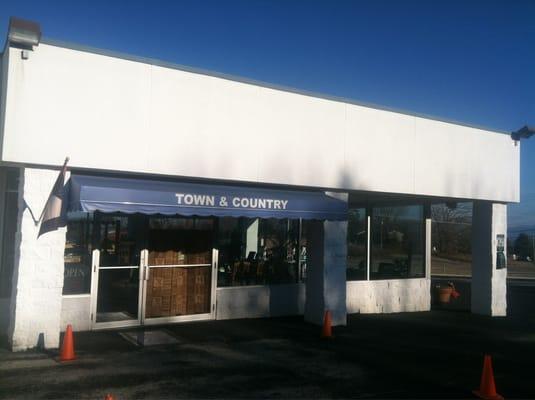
{"points": [[144, 266], [147, 272]]}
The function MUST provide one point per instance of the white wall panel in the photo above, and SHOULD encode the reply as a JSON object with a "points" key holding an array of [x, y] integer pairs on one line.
{"points": [[301, 139], [117, 114], [388, 296], [379, 150], [458, 160], [197, 126], [66, 104]]}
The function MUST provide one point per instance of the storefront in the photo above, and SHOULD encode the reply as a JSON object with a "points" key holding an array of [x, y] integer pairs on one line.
{"points": [[152, 252], [195, 195]]}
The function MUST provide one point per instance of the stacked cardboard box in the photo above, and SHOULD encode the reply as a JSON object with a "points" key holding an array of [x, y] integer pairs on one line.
{"points": [[178, 291], [202, 257], [169, 257]]}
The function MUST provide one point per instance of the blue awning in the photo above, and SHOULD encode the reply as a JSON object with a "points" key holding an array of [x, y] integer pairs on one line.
{"points": [[106, 194]]}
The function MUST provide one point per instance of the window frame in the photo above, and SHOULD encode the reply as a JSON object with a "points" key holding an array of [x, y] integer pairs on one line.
{"points": [[300, 276], [423, 223], [89, 220], [367, 211]]}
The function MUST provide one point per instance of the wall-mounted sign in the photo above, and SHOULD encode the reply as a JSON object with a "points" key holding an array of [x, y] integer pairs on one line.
{"points": [[201, 200], [501, 261]]}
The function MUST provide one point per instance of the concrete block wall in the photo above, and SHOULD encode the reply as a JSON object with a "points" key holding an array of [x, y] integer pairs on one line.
{"points": [[335, 265], [36, 300], [76, 310], [499, 276], [489, 284], [260, 301], [326, 271], [388, 296]]}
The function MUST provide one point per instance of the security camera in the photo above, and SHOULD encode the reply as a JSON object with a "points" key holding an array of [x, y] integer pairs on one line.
{"points": [[523, 133]]}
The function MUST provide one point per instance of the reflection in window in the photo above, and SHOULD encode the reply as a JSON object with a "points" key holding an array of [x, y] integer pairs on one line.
{"points": [[357, 237], [397, 242], [258, 251], [451, 246], [303, 243], [121, 239], [77, 257], [180, 240]]}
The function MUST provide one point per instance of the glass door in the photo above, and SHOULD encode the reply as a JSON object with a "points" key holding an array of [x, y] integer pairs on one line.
{"points": [[117, 271], [179, 282]]}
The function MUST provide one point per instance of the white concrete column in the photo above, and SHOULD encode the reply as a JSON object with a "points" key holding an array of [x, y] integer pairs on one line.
{"points": [[489, 285], [326, 271], [38, 272]]}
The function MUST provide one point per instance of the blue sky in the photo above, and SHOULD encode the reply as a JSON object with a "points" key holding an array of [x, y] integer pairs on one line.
{"points": [[468, 61]]}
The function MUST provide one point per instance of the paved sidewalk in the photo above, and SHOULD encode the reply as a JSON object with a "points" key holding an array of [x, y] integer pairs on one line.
{"points": [[437, 354]]}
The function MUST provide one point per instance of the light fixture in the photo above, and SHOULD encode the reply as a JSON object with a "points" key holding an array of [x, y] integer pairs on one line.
{"points": [[23, 33]]}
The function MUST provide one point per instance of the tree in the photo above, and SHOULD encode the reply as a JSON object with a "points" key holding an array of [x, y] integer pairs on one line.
{"points": [[451, 229], [523, 246]]}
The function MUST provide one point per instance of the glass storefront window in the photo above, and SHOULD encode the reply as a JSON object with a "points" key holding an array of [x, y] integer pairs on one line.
{"points": [[180, 240], [255, 251], [120, 239], [77, 257], [451, 239], [397, 242], [252, 251], [180, 263], [357, 237], [303, 246]]}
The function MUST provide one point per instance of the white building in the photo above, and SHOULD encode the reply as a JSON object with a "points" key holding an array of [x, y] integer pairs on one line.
{"points": [[195, 195]]}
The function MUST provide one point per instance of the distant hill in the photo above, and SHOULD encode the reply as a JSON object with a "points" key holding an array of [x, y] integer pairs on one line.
{"points": [[514, 231]]}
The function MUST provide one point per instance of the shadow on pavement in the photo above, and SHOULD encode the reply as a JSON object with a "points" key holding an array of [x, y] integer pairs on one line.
{"points": [[436, 354]]}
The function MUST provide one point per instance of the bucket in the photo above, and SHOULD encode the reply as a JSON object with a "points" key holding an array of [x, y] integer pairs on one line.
{"points": [[444, 294]]}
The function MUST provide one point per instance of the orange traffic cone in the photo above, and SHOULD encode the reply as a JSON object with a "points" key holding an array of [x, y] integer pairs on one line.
{"points": [[67, 347], [326, 332], [487, 388]]}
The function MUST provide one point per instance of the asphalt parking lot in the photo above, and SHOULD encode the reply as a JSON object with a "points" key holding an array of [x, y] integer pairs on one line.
{"points": [[435, 354]]}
